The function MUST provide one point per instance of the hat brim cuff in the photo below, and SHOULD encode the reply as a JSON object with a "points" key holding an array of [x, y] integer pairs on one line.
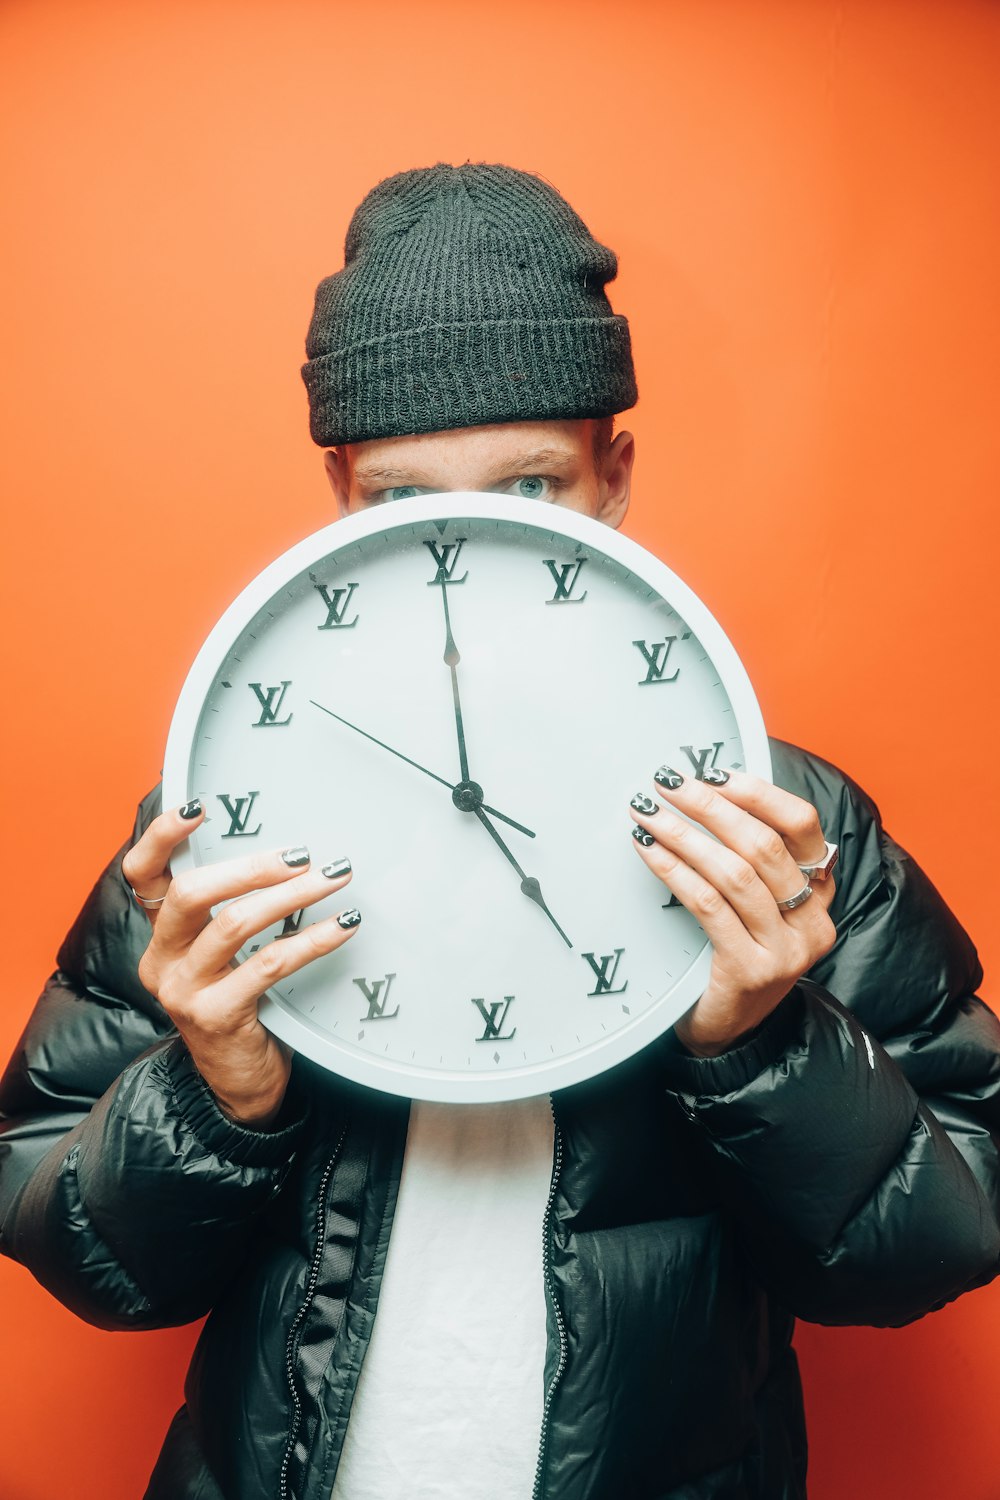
{"points": [[440, 377]]}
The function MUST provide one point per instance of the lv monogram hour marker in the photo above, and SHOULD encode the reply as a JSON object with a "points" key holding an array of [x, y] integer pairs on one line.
{"points": [[240, 810], [495, 1016], [270, 700], [564, 576], [337, 603], [656, 657]]}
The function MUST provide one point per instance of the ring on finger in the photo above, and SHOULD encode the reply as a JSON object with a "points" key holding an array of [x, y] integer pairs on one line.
{"points": [[823, 868], [791, 902], [147, 901]]}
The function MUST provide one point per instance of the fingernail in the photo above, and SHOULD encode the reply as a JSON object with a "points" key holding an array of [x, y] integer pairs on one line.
{"points": [[644, 804], [191, 809], [643, 836], [349, 918], [668, 777], [296, 857], [714, 776], [336, 869]]}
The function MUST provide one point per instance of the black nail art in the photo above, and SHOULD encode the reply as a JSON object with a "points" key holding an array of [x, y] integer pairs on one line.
{"points": [[643, 836], [644, 804], [668, 777], [295, 857], [349, 918], [715, 776], [337, 868], [191, 809]]}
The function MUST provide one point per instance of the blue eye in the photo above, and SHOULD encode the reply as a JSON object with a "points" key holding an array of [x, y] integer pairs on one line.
{"points": [[532, 487], [402, 492]]}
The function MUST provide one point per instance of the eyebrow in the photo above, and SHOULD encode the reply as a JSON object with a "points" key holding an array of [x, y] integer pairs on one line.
{"points": [[368, 474], [539, 458]]}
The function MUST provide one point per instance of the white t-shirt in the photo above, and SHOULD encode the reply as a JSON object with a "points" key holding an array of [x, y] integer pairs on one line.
{"points": [[449, 1402]]}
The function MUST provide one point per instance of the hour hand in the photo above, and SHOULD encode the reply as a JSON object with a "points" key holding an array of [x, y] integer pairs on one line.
{"points": [[529, 885]]}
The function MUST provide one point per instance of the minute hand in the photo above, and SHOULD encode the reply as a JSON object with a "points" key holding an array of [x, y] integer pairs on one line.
{"points": [[529, 885], [452, 659], [415, 764]]}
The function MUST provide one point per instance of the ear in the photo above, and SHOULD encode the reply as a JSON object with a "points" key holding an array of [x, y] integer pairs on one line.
{"points": [[614, 481], [338, 473]]}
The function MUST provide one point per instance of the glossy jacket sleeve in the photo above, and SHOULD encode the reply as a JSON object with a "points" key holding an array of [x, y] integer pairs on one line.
{"points": [[123, 1188], [856, 1131]]}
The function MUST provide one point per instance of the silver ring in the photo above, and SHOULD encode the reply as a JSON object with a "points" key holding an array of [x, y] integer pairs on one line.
{"points": [[146, 901], [823, 868], [796, 900]]}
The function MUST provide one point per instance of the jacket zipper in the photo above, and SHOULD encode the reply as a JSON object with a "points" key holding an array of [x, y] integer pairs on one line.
{"points": [[297, 1321], [551, 1293]]}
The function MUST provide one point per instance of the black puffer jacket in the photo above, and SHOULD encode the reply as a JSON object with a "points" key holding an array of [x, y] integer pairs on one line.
{"points": [[841, 1167]]}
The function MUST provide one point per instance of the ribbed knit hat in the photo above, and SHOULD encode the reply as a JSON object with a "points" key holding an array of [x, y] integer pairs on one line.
{"points": [[469, 295]]}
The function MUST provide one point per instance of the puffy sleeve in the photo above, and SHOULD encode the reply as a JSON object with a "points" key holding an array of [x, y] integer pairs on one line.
{"points": [[856, 1131], [123, 1188]]}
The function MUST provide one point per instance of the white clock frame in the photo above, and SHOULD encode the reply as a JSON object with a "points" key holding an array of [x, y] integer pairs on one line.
{"points": [[452, 1085]]}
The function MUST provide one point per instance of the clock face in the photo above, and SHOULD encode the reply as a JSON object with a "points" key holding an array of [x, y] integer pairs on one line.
{"points": [[461, 693]]}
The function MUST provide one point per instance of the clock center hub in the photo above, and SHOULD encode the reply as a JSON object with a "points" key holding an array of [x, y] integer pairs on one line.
{"points": [[468, 796]]}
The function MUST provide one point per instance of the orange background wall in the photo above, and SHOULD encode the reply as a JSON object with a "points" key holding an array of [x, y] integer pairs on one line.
{"points": [[805, 201]]}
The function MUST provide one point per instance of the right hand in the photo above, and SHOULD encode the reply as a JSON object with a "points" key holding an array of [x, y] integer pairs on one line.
{"points": [[187, 965]]}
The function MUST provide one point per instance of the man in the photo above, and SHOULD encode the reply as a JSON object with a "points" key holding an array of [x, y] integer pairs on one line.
{"points": [[380, 1328]]}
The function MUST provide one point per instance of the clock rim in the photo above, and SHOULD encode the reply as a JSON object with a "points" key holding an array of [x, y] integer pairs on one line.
{"points": [[429, 1083]]}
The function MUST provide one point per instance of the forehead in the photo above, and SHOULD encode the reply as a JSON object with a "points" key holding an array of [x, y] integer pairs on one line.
{"points": [[472, 448]]}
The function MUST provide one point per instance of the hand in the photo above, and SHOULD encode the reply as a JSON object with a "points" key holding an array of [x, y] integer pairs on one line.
{"points": [[466, 793], [732, 883], [529, 885], [187, 963]]}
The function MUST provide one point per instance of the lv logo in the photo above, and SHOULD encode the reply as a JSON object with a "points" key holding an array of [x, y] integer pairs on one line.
{"points": [[495, 1017], [377, 995], [270, 700], [289, 928], [605, 969], [337, 603], [564, 576], [446, 556], [700, 758], [240, 810], [656, 657]]}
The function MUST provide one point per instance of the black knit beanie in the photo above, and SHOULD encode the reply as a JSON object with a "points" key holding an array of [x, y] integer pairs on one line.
{"points": [[469, 295]]}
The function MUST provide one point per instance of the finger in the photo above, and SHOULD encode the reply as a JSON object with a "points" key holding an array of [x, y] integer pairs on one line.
{"points": [[795, 819], [760, 844], [193, 893], [704, 901], [233, 998], [237, 923], [732, 904], [721, 867], [757, 841], [146, 866]]}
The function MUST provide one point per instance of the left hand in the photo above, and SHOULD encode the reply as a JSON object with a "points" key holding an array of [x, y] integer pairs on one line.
{"points": [[732, 883]]}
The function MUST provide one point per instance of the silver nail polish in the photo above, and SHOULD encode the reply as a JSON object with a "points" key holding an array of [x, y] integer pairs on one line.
{"points": [[296, 857], [336, 869]]}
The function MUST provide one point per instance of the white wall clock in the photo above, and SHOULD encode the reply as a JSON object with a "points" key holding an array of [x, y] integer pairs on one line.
{"points": [[461, 693]]}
